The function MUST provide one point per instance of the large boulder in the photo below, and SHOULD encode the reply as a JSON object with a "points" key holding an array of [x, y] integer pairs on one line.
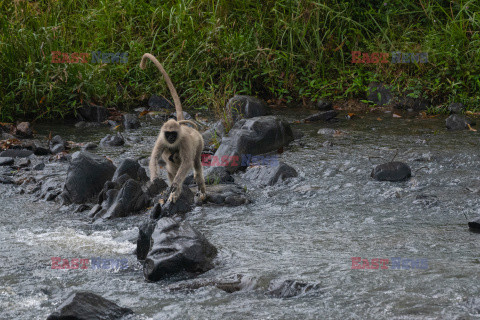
{"points": [[270, 175], [177, 247], [86, 176], [391, 171], [457, 122], [246, 107], [85, 305], [253, 137], [133, 169], [92, 113]]}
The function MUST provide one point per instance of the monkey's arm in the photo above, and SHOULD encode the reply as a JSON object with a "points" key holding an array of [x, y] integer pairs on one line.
{"points": [[155, 157]]}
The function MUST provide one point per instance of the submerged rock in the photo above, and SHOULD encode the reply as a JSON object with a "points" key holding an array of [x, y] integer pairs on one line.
{"points": [[290, 288], [457, 122], [85, 305], [391, 171], [86, 176], [242, 106], [177, 247], [269, 175]]}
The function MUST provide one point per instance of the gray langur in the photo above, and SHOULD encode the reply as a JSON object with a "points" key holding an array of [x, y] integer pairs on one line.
{"points": [[179, 145]]}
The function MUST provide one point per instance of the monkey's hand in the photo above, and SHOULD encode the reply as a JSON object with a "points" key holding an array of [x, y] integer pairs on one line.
{"points": [[201, 196], [174, 193]]}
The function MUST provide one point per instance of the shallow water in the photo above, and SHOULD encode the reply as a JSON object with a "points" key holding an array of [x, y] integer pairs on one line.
{"points": [[307, 229]]}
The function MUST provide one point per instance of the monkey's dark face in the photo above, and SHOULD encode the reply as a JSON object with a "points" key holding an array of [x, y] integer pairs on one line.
{"points": [[171, 136]]}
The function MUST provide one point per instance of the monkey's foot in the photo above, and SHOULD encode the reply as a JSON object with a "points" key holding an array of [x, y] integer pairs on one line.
{"points": [[200, 197], [173, 197]]}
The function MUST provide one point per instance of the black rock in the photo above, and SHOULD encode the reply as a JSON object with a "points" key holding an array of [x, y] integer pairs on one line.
{"points": [[379, 94], [145, 232], [92, 113], [155, 187], [129, 200], [391, 171], [269, 175], [183, 204], [246, 107], [113, 141], [40, 151], [133, 169], [475, 224], [290, 288], [457, 122], [88, 306], [6, 161], [39, 166], [456, 107], [177, 247], [253, 137], [324, 105], [16, 153], [156, 212], [90, 146], [325, 116], [156, 103], [130, 121], [86, 176]]}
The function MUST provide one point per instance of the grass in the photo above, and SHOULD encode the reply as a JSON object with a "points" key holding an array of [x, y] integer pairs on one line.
{"points": [[290, 50]]}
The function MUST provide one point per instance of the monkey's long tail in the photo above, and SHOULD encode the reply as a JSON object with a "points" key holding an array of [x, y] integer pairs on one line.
{"points": [[173, 92], [190, 122]]}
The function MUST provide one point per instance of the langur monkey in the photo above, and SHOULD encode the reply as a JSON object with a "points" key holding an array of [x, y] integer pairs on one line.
{"points": [[179, 146]]}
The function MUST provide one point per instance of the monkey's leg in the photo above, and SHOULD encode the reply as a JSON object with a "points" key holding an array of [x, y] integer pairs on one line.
{"points": [[154, 158], [199, 178]]}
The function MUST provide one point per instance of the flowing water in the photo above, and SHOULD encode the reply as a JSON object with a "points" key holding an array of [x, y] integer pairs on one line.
{"points": [[307, 229]]}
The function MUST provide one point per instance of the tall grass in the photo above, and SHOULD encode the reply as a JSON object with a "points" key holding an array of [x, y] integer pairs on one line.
{"points": [[292, 50]]}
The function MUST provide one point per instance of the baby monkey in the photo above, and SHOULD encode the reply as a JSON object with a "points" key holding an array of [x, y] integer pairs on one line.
{"points": [[179, 145]]}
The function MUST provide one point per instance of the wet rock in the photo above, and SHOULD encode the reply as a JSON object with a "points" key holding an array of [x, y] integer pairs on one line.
{"points": [[6, 161], [214, 135], [155, 213], [113, 140], [6, 180], [16, 153], [391, 171], [379, 94], [41, 151], [39, 166], [183, 204], [156, 103], [24, 130], [86, 176], [57, 148], [324, 105], [253, 137], [130, 121], [242, 106], [325, 116], [416, 104], [269, 175], [129, 200], [226, 194], [238, 282], [290, 288], [457, 122], [456, 107], [217, 175], [92, 113], [85, 305], [49, 190], [145, 232], [90, 146], [475, 224], [133, 169], [155, 187], [177, 247]]}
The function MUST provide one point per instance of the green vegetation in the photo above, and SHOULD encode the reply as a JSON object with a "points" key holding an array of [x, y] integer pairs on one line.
{"points": [[291, 50]]}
